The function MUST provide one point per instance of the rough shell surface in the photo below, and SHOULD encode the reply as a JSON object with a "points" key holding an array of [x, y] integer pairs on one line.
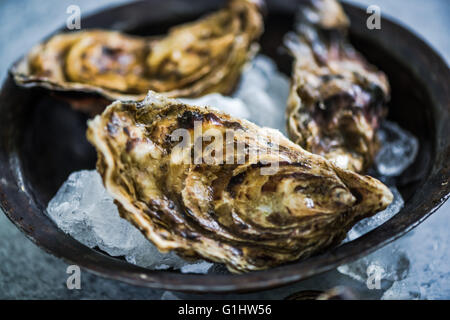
{"points": [[193, 59]]}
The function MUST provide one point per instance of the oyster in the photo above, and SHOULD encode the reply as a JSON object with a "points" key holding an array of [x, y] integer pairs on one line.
{"points": [[193, 59], [205, 184], [337, 99]]}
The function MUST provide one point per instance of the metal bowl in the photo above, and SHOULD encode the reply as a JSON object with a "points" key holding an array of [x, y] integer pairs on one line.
{"points": [[42, 141]]}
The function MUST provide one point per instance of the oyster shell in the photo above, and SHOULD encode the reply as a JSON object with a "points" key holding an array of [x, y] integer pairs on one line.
{"points": [[250, 198], [337, 99], [193, 59]]}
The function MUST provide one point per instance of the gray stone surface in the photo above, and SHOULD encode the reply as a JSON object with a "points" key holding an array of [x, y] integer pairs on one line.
{"points": [[26, 272]]}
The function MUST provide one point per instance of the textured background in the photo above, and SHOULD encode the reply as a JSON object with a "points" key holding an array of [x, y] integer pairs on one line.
{"points": [[26, 272]]}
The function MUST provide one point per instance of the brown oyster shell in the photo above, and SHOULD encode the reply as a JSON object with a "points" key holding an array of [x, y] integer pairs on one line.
{"points": [[193, 59], [231, 212], [337, 98]]}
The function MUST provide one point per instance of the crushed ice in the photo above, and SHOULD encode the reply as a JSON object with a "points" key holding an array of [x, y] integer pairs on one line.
{"points": [[83, 208]]}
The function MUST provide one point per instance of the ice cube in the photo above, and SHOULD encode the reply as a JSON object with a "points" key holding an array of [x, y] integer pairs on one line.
{"points": [[398, 149]]}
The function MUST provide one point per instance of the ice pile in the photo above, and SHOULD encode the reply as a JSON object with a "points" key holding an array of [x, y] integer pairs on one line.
{"points": [[85, 210]]}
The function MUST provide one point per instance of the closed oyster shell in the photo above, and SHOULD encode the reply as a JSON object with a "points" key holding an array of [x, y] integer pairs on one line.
{"points": [[263, 202], [337, 99], [193, 59]]}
